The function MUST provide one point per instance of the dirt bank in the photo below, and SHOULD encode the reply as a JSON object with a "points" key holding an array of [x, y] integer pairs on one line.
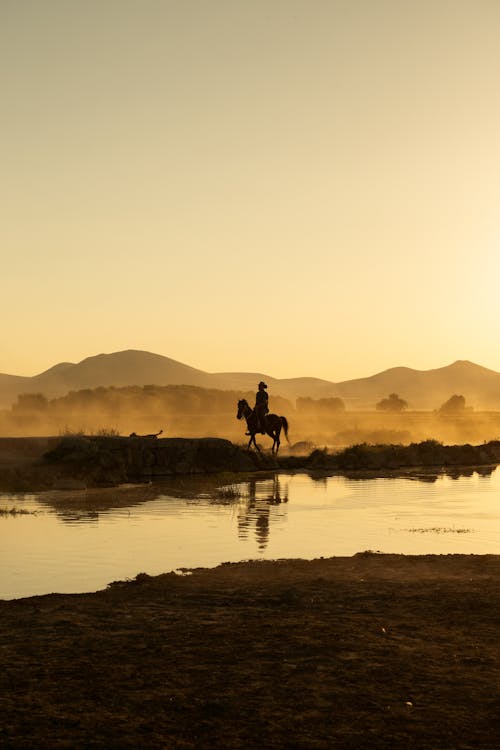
{"points": [[79, 461], [374, 651]]}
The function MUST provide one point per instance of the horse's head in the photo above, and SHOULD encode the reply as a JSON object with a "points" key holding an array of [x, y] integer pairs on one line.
{"points": [[242, 408]]}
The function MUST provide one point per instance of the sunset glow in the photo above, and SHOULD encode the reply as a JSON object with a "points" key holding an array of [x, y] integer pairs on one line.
{"points": [[291, 188]]}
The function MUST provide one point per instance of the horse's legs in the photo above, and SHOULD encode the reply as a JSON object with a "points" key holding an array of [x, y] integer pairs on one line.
{"points": [[276, 437], [252, 440], [272, 434]]}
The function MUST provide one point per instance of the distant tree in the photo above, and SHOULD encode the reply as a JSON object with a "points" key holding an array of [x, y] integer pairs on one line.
{"points": [[28, 402], [454, 405], [393, 403]]}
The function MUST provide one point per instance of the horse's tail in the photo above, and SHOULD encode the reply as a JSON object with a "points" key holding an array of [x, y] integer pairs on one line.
{"points": [[284, 422]]}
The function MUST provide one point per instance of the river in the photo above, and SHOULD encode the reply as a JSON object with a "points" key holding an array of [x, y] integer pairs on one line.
{"points": [[78, 546]]}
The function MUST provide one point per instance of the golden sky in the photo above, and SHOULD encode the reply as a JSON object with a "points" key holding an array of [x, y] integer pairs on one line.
{"points": [[291, 187]]}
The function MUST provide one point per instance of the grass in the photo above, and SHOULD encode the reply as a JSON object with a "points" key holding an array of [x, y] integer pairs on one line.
{"points": [[100, 432], [17, 512], [230, 494], [439, 530], [68, 432]]}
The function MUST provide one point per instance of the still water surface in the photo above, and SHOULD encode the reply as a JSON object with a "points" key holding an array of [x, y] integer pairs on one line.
{"points": [[73, 550]]}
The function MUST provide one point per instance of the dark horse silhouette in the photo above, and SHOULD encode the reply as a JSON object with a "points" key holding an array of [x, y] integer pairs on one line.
{"points": [[273, 425]]}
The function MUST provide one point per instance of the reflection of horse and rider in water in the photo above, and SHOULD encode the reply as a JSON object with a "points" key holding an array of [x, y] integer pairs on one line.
{"points": [[260, 421], [257, 508]]}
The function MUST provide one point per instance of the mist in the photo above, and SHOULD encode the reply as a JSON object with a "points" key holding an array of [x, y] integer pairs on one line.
{"points": [[189, 411]]}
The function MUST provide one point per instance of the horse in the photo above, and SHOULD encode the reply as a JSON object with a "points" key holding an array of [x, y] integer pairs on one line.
{"points": [[273, 425]]}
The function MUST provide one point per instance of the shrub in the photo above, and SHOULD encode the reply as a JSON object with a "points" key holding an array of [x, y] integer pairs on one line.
{"points": [[393, 403]]}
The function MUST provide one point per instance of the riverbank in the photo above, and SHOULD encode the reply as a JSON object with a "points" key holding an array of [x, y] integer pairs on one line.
{"points": [[80, 462], [381, 651]]}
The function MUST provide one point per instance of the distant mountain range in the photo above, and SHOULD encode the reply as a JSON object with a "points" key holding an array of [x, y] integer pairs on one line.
{"points": [[422, 389]]}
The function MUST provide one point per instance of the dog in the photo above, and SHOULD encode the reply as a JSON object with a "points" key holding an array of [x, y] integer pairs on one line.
{"points": [[135, 435]]}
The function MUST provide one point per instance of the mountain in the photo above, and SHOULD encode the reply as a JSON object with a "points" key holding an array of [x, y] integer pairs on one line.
{"points": [[426, 389], [133, 367], [422, 389], [287, 387], [120, 369]]}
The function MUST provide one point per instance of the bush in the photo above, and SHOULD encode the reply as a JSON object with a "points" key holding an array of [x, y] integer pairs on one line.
{"points": [[454, 405], [392, 403]]}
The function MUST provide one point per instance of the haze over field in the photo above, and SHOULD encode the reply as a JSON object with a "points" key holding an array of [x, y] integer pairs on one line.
{"points": [[286, 187], [142, 392]]}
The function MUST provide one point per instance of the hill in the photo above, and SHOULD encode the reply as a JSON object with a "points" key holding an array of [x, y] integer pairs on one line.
{"points": [[134, 367], [426, 389], [422, 389]]}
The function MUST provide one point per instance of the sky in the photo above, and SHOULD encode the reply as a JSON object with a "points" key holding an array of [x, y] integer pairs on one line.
{"points": [[298, 188]]}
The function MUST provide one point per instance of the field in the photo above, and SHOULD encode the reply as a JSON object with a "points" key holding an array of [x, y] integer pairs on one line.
{"points": [[370, 651], [320, 429]]}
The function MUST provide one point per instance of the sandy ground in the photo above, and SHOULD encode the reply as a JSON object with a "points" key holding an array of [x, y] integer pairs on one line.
{"points": [[374, 651]]}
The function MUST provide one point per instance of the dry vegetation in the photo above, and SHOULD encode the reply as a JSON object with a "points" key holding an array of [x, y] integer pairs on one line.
{"points": [[79, 462]]}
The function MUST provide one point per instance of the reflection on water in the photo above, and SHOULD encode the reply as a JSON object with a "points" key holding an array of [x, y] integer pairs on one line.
{"points": [[82, 540], [256, 510], [79, 516]]}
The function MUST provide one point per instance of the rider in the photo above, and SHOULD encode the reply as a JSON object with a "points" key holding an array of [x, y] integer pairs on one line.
{"points": [[261, 407]]}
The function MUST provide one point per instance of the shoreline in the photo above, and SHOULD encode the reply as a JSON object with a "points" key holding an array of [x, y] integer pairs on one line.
{"points": [[371, 650], [83, 462]]}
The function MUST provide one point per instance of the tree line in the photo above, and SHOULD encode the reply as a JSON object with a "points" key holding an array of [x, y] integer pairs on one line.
{"points": [[145, 400], [191, 400]]}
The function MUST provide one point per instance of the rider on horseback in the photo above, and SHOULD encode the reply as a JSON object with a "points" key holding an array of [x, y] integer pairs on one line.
{"points": [[261, 407], [258, 420]]}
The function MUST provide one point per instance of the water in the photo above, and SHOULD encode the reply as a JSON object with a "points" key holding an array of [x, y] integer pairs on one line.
{"points": [[62, 544]]}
